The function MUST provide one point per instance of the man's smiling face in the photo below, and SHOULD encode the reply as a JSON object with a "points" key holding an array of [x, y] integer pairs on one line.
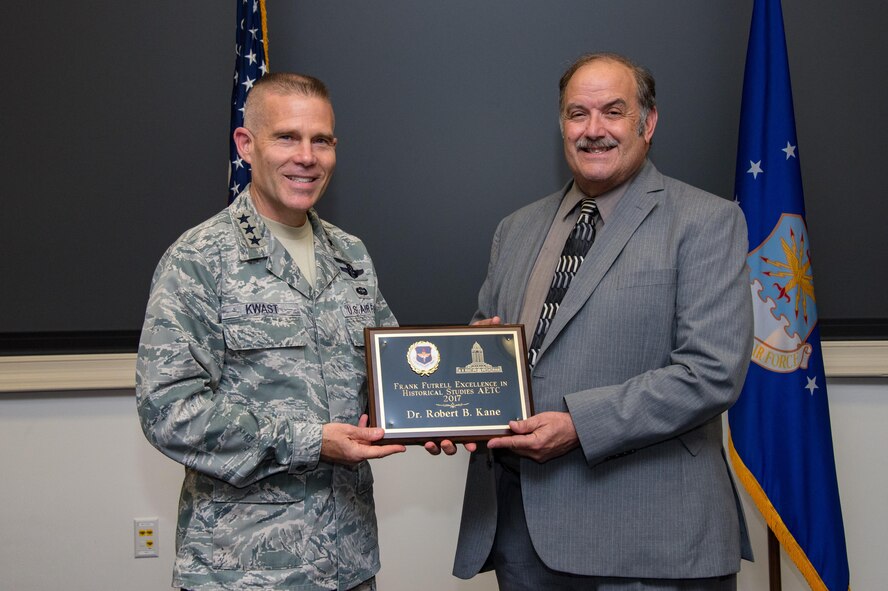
{"points": [[605, 141], [292, 152]]}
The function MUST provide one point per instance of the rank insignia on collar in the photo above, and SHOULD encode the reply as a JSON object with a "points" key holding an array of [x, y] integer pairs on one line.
{"points": [[352, 272]]}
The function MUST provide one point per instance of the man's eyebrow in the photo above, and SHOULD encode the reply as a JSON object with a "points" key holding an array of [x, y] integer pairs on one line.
{"points": [[614, 103], [570, 106], [618, 102]]}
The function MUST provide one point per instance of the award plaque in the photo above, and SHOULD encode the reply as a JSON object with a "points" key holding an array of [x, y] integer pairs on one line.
{"points": [[462, 383]]}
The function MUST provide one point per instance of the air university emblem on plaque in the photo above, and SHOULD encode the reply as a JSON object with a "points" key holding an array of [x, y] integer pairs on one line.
{"points": [[423, 357], [478, 365], [783, 297]]}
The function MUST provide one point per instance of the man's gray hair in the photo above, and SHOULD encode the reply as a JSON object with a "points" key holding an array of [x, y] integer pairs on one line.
{"points": [[646, 90]]}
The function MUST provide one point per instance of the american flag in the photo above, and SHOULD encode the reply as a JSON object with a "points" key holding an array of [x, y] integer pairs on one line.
{"points": [[251, 62]]}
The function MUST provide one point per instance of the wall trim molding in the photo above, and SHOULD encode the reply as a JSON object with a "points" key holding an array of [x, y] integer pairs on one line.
{"points": [[855, 359], [117, 371], [57, 373]]}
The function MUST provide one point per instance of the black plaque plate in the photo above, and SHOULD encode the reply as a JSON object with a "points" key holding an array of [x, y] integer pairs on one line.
{"points": [[462, 383]]}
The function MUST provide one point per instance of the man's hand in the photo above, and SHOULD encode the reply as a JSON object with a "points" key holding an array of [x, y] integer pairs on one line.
{"points": [[540, 437], [448, 447], [346, 444], [487, 321]]}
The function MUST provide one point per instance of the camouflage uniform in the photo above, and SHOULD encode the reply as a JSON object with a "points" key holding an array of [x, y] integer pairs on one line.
{"points": [[240, 364]]}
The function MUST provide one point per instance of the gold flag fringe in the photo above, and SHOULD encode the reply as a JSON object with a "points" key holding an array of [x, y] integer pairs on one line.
{"points": [[264, 17], [775, 522]]}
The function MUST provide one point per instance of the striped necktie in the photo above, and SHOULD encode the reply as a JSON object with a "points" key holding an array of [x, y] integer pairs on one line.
{"points": [[575, 248]]}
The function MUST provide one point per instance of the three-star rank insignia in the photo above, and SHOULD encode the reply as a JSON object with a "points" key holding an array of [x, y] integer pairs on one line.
{"points": [[249, 230]]}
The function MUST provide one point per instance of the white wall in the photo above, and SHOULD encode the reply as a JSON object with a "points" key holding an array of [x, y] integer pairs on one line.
{"points": [[859, 414], [76, 470]]}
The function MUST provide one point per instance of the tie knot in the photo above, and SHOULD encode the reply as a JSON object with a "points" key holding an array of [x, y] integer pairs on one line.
{"points": [[588, 210]]}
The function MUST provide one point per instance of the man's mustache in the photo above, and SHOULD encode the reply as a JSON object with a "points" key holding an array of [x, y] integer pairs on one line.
{"points": [[585, 143]]}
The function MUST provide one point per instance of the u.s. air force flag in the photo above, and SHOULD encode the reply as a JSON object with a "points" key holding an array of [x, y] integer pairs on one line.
{"points": [[251, 62], [780, 438]]}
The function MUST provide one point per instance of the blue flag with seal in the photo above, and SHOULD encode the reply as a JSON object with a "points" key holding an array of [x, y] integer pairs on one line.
{"points": [[780, 437], [250, 63]]}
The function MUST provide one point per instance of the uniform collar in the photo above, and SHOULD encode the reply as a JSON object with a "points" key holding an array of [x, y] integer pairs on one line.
{"points": [[255, 241], [252, 236]]}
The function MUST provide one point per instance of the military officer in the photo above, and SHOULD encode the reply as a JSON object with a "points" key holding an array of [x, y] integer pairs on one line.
{"points": [[251, 368]]}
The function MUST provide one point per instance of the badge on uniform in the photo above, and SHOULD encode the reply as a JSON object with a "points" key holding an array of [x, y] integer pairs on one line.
{"points": [[352, 272]]}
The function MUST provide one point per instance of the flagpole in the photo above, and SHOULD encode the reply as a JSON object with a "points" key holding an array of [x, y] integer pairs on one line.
{"points": [[774, 581]]}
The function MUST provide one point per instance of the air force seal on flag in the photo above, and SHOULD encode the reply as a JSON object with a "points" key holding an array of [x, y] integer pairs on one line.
{"points": [[783, 297], [423, 357]]}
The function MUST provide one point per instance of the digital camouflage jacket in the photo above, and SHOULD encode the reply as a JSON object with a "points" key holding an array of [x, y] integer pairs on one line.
{"points": [[240, 363]]}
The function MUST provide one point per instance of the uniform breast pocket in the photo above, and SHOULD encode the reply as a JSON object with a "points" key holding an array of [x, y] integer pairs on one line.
{"points": [[352, 351], [357, 315], [263, 355], [259, 527], [356, 334], [248, 333]]}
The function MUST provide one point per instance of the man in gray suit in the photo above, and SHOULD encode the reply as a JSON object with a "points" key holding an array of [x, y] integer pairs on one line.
{"points": [[619, 481]]}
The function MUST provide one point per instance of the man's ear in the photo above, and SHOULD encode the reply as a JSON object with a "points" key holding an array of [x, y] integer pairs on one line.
{"points": [[243, 139], [649, 125]]}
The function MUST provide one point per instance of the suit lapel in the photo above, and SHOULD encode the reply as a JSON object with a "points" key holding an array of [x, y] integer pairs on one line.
{"points": [[640, 199], [522, 260]]}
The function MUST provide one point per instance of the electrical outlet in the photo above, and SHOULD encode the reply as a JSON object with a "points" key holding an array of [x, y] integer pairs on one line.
{"points": [[145, 537]]}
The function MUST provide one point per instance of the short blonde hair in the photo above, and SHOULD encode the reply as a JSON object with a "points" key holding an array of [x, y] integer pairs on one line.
{"points": [[283, 83]]}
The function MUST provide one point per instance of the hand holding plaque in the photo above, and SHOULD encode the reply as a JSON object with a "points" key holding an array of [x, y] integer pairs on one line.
{"points": [[460, 383]]}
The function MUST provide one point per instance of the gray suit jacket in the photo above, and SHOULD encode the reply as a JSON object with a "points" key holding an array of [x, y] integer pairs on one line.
{"points": [[649, 347]]}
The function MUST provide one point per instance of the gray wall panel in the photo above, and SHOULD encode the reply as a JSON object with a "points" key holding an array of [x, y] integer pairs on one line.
{"points": [[115, 117]]}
